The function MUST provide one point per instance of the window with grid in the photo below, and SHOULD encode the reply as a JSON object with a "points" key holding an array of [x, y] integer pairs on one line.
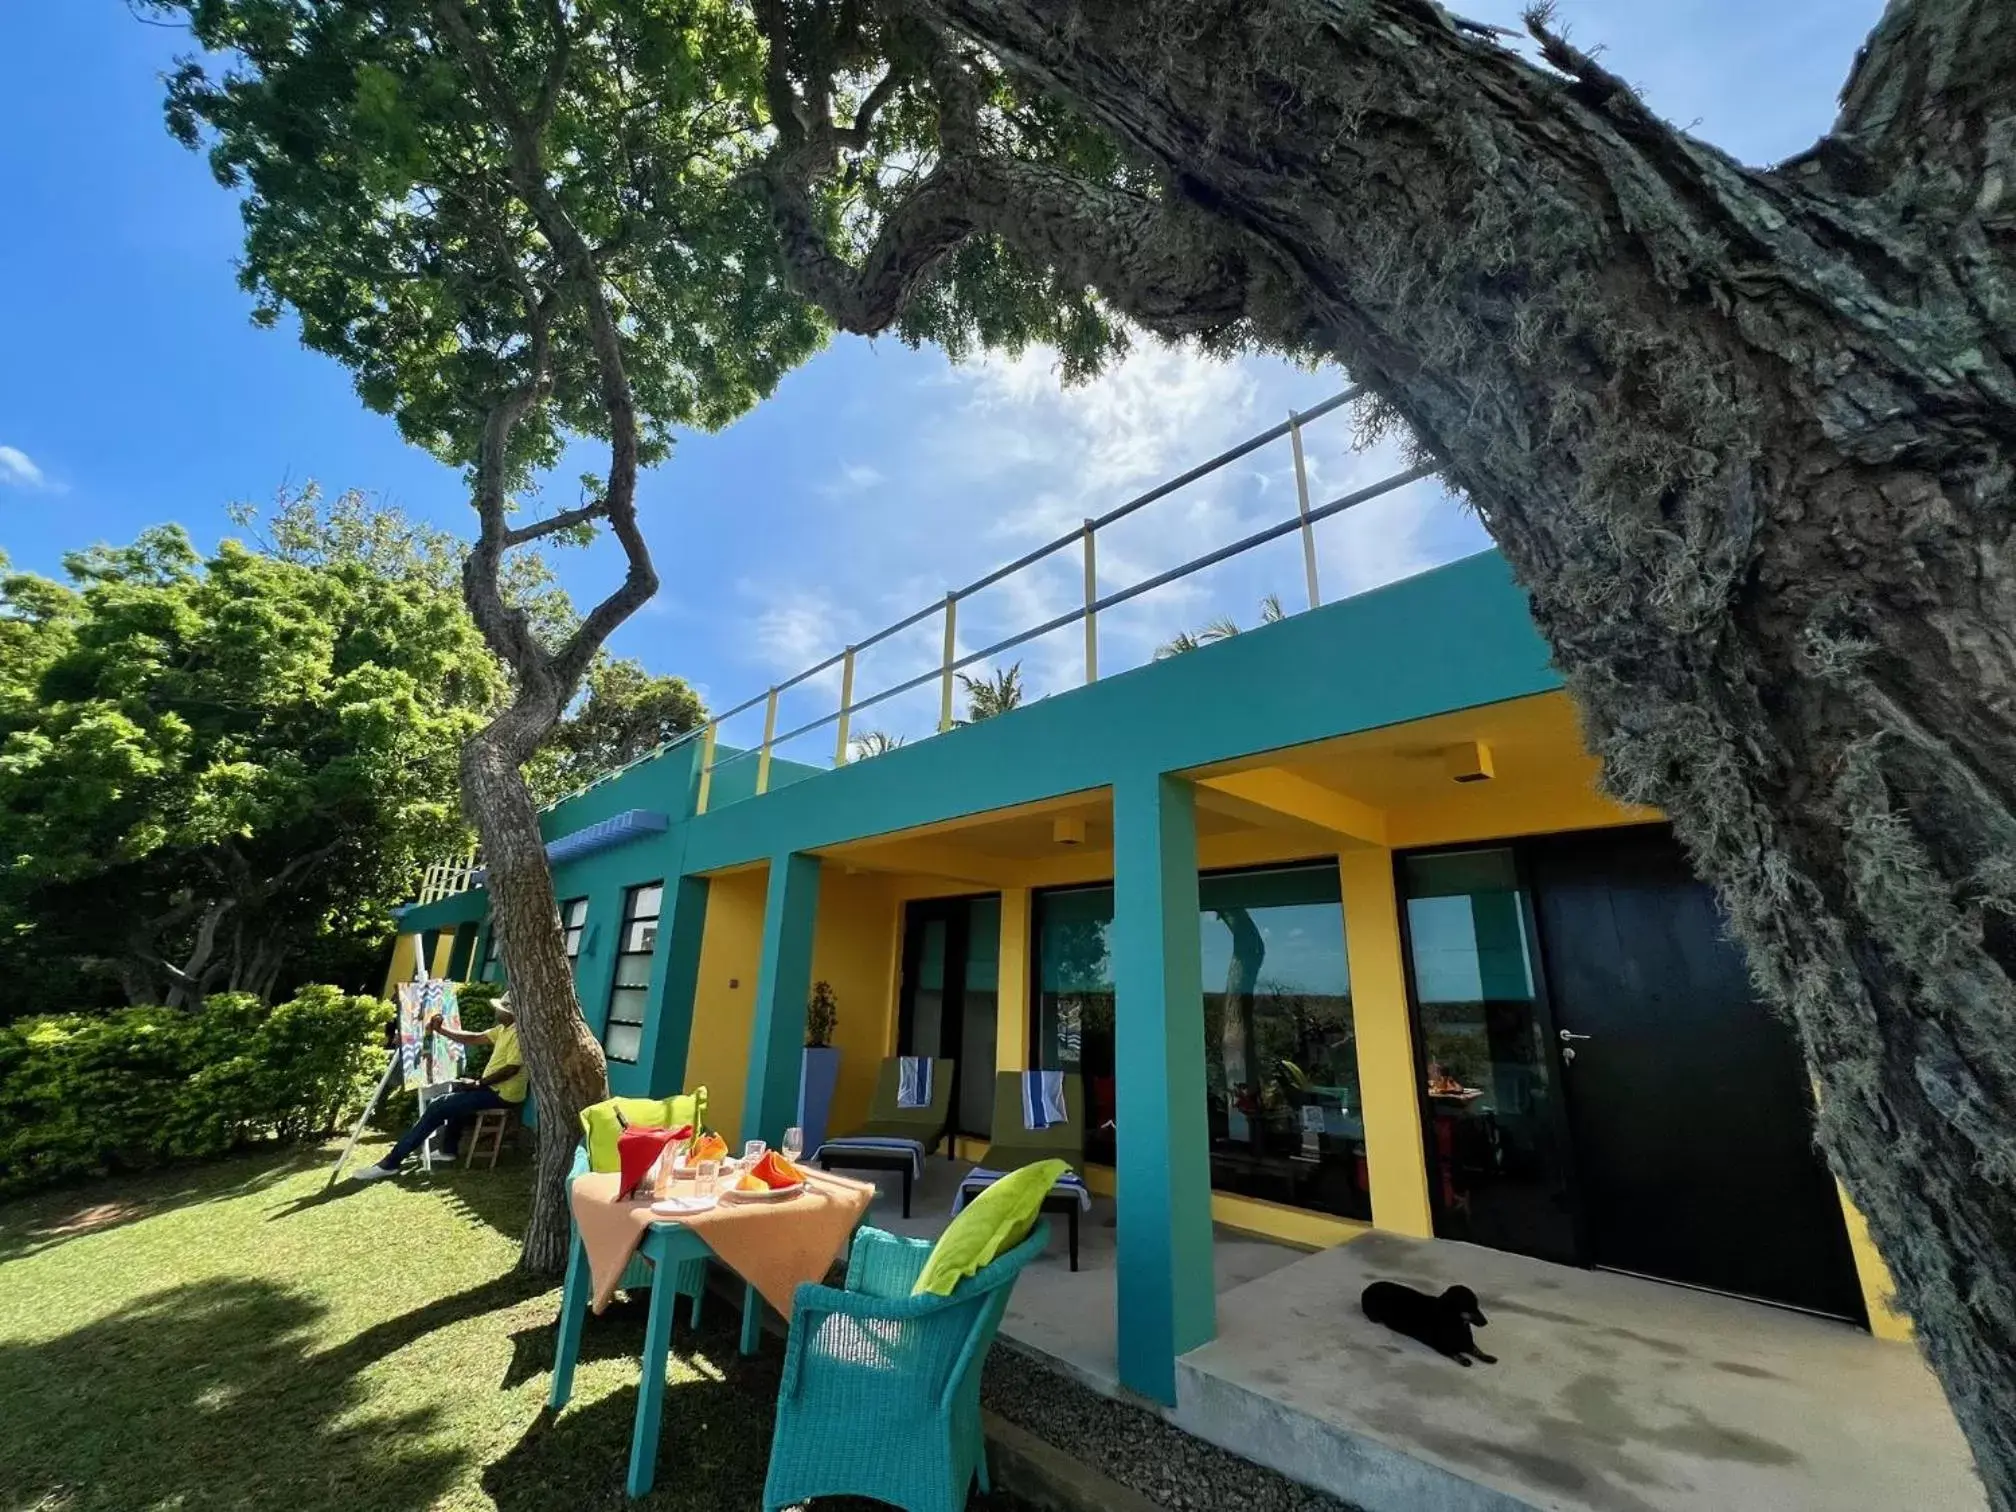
{"points": [[573, 924], [623, 1034]]}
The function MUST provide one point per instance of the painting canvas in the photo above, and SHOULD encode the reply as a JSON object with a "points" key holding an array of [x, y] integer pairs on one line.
{"points": [[427, 1060]]}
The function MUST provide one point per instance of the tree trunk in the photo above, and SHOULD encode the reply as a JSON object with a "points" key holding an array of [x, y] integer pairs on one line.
{"points": [[1748, 440], [565, 1062]]}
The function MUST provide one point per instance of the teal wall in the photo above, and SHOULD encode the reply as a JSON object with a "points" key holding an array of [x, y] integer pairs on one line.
{"points": [[1449, 639]]}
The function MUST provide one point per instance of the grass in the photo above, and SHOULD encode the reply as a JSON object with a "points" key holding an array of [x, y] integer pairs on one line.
{"points": [[229, 1337]]}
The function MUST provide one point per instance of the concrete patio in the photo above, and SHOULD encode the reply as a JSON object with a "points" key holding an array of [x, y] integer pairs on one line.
{"points": [[1067, 1319], [1612, 1393]]}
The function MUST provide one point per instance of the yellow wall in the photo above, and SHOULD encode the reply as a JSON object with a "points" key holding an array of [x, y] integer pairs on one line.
{"points": [[724, 1001], [405, 950], [852, 948]]}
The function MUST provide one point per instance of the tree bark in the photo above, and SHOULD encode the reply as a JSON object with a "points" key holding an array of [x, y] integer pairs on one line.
{"points": [[562, 1057], [1746, 437]]}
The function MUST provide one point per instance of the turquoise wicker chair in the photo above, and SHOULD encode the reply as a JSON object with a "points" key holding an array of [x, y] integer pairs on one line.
{"points": [[881, 1390], [690, 1280]]}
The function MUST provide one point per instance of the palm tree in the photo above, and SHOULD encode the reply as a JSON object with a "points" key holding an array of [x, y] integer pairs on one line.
{"points": [[988, 696], [1222, 628], [872, 743]]}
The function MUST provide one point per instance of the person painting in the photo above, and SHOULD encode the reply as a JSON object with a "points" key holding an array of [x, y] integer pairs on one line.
{"points": [[502, 1085]]}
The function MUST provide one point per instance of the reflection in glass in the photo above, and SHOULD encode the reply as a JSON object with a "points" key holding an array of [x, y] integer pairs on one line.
{"points": [[1498, 1170], [1280, 1044], [1074, 1005], [1281, 1061]]}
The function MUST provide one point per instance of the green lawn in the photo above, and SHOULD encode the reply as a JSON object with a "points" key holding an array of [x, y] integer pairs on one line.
{"points": [[226, 1337]]}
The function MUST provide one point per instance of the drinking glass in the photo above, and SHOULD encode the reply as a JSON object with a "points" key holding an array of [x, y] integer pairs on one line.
{"points": [[706, 1178], [794, 1143], [752, 1152]]}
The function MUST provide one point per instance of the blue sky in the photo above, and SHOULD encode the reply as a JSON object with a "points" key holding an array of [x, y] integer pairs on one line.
{"points": [[134, 390]]}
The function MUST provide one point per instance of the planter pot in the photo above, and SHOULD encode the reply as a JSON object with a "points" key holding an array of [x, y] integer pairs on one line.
{"points": [[816, 1077]]}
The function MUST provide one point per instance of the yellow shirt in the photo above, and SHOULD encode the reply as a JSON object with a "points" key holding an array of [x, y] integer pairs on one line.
{"points": [[504, 1052]]}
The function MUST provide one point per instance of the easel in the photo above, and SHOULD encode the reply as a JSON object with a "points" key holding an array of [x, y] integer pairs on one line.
{"points": [[427, 1094]]}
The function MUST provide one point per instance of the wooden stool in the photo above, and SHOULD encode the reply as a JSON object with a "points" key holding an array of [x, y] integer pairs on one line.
{"points": [[493, 1124]]}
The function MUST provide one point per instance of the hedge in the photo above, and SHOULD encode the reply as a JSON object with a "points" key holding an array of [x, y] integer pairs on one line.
{"points": [[89, 1094]]}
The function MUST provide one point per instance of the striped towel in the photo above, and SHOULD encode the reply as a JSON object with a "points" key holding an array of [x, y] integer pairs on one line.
{"points": [[873, 1144], [913, 1081], [1043, 1100], [977, 1180]]}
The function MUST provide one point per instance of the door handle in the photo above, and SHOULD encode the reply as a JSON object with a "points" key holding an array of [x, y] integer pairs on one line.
{"points": [[1569, 1036]]}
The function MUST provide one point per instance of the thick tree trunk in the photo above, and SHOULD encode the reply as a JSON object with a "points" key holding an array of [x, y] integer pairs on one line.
{"points": [[565, 1062], [1747, 438]]}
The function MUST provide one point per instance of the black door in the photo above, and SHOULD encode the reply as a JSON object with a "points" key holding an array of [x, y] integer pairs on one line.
{"points": [[1690, 1109], [949, 1000]]}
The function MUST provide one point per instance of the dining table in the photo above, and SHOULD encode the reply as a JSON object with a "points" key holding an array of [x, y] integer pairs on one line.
{"points": [[774, 1244]]}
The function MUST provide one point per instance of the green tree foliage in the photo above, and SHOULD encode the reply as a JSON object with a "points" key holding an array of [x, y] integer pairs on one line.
{"points": [[219, 774], [996, 693], [623, 713], [88, 1094]]}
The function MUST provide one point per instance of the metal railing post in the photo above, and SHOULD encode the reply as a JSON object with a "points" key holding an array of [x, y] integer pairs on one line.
{"points": [[706, 767], [769, 734], [846, 698], [951, 655], [1091, 600], [1302, 502]]}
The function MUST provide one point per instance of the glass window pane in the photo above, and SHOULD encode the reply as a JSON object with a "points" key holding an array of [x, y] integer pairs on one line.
{"points": [[645, 901], [1496, 1162], [641, 937], [633, 971], [1281, 1055], [623, 1042], [626, 1005], [574, 912], [1074, 1006]]}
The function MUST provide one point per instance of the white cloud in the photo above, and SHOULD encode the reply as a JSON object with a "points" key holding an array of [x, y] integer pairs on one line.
{"points": [[993, 458], [853, 478], [19, 469]]}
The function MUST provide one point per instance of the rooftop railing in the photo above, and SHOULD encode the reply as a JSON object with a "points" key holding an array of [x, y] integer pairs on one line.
{"points": [[460, 873], [1085, 540]]}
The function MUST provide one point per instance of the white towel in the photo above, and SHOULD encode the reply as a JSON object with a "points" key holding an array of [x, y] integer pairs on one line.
{"points": [[1043, 1100], [913, 1081]]}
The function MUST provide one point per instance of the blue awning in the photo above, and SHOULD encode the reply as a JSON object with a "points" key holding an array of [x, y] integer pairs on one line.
{"points": [[619, 829]]}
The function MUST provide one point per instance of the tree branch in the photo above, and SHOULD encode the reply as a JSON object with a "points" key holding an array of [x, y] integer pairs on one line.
{"points": [[583, 277], [554, 524]]}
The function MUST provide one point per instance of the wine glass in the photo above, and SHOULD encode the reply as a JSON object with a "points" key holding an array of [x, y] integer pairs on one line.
{"points": [[794, 1143]]}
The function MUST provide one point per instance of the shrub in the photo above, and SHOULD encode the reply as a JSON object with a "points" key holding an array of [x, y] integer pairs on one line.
{"points": [[85, 1095]]}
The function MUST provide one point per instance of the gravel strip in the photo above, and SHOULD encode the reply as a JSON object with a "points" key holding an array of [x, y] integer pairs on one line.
{"points": [[1134, 1446]]}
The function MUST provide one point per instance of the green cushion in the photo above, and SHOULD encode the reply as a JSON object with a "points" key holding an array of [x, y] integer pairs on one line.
{"points": [[990, 1225], [599, 1123]]}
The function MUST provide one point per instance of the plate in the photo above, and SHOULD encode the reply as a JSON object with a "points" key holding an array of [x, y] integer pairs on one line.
{"points": [[682, 1207], [776, 1194]]}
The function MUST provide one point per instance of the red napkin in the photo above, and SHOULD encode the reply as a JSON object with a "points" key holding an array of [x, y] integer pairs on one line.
{"points": [[638, 1147]]}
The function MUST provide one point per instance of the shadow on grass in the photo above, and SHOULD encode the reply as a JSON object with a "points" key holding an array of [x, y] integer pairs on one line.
{"points": [[42, 1221], [207, 1396]]}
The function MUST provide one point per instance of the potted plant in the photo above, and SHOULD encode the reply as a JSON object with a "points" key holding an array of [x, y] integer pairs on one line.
{"points": [[821, 1067]]}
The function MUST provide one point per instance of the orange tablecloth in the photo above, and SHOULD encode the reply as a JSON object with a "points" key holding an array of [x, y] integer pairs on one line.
{"points": [[774, 1246]]}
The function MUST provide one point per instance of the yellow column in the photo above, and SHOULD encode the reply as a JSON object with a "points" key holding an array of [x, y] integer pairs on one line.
{"points": [[1885, 1322], [444, 947], [1011, 1016], [1387, 1077], [404, 948]]}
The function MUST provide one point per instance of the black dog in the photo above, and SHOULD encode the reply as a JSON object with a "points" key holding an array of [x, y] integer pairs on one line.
{"points": [[1442, 1323]]}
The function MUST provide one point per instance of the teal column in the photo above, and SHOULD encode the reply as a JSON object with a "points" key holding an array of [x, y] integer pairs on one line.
{"points": [[669, 1029], [783, 981], [460, 953], [1168, 1304]]}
